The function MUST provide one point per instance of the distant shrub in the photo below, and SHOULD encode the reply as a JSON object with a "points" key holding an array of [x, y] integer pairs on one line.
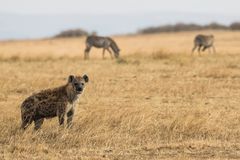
{"points": [[235, 26], [71, 33], [188, 27]]}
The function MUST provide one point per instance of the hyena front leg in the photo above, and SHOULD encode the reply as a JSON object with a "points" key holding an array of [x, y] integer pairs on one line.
{"points": [[61, 115], [70, 117], [61, 119]]}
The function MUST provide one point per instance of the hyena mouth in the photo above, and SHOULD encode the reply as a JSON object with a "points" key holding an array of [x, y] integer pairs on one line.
{"points": [[79, 90]]}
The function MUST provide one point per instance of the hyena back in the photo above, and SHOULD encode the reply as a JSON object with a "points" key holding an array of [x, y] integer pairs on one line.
{"points": [[50, 103]]}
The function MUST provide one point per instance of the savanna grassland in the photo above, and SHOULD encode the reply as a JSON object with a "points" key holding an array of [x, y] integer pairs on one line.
{"points": [[156, 102]]}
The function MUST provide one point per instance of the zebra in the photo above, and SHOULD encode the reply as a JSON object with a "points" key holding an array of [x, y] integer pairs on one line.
{"points": [[101, 42], [205, 41]]}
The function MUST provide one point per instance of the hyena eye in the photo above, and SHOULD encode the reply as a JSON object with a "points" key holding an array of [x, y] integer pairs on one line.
{"points": [[82, 84], [75, 84]]}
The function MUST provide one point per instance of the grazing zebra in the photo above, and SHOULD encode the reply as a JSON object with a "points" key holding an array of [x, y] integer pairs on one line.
{"points": [[101, 42], [205, 41]]}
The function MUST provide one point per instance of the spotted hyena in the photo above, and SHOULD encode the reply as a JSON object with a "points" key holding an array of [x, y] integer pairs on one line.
{"points": [[50, 103]]}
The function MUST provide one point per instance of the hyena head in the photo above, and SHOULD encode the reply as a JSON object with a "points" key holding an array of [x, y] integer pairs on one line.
{"points": [[77, 83]]}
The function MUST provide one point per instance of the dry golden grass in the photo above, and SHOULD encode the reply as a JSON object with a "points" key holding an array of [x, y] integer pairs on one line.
{"points": [[158, 102]]}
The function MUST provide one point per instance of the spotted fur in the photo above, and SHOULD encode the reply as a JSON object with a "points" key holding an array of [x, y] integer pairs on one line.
{"points": [[58, 102]]}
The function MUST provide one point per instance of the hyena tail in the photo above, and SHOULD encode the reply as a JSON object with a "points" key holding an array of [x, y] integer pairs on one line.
{"points": [[114, 47]]}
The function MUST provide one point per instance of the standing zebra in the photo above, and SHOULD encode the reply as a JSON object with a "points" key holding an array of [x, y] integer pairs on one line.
{"points": [[101, 42], [205, 41]]}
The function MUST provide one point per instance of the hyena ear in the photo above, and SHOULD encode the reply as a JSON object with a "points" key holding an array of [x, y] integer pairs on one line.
{"points": [[85, 77], [70, 78]]}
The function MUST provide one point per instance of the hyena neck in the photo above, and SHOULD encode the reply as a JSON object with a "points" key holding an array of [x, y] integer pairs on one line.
{"points": [[72, 96]]}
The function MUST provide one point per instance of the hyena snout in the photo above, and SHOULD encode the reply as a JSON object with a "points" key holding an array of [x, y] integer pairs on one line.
{"points": [[79, 88]]}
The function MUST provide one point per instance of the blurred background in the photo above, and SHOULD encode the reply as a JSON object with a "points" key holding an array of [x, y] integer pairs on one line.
{"points": [[27, 19]]}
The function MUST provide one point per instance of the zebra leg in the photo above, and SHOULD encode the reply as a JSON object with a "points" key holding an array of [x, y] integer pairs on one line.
{"points": [[195, 46], [214, 49], [86, 52], [209, 50], [204, 48], [110, 52], [199, 50], [103, 53]]}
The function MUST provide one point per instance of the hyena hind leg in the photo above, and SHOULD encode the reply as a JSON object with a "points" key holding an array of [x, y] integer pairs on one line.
{"points": [[26, 122], [38, 123]]}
